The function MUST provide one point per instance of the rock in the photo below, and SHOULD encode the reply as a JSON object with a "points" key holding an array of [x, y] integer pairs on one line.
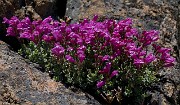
{"points": [[166, 91], [45, 8], [161, 15], [22, 84], [8, 7]]}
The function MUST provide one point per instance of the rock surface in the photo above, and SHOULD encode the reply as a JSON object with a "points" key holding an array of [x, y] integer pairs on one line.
{"points": [[19, 84], [44, 8], [22, 84], [162, 15]]}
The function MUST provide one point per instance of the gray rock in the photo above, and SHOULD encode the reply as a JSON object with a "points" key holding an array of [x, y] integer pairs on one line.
{"points": [[22, 84]]}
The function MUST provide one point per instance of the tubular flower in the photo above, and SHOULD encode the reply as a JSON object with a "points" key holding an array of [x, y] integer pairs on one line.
{"points": [[100, 84], [58, 50]]}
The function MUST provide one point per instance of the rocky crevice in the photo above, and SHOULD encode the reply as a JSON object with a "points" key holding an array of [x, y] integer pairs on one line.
{"points": [[149, 14]]}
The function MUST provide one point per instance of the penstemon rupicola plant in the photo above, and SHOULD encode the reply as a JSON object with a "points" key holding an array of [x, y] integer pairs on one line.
{"points": [[109, 57]]}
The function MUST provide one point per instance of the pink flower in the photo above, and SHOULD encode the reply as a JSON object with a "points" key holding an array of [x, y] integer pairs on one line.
{"points": [[164, 50], [81, 57], [14, 21], [79, 41], [106, 69], [95, 18], [106, 58], [83, 48], [70, 58], [69, 49], [149, 58], [57, 35], [149, 37], [169, 62], [138, 62], [58, 50], [100, 84], [48, 38], [5, 20], [47, 20], [25, 35], [11, 31], [114, 73]]}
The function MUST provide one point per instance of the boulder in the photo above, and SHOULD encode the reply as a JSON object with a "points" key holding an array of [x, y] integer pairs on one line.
{"points": [[21, 83]]}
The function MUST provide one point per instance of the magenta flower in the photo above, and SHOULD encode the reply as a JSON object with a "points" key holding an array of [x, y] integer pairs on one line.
{"points": [[138, 62], [114, 73], [11, 31], [81, 57], [25, 35], [69, 49], [5, 20], [169, 62], [131, 47], [125, 22], [88, 41], [107, 37], [47, 20], [36, 22], [149, 58], [75, 27], [156, 47], [57, 35], [106, 58], [62, 27], [132, 33], [48, 38], [14, 21], [83, 48], [68, 30], [149, 37], [25, 25], [58, 50], [106, 69], [164, 50], [36, 33], [79, 41], [142, 53], [164, 56], [80, 52], [100, 84], [69, 58], [95, 18]]}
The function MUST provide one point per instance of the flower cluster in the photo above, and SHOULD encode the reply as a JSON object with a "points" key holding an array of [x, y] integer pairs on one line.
{"points": [[109, 46]]}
